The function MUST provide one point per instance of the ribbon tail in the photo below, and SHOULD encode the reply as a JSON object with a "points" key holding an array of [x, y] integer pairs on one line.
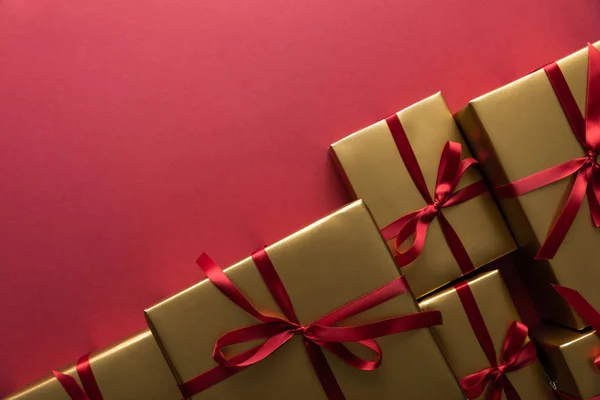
{"points": [[323, 370], [346, 355], [71, 386], [563, 223]]}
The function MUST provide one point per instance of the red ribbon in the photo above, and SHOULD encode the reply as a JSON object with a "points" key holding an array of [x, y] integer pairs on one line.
{"points": [[317, 335], [450, 172], [515, 355], [585, 169], [90, 389], [583, 308]]}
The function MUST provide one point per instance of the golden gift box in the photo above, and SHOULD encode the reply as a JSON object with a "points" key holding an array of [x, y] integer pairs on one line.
{"points": [[522, 129], [568, 357], [374, 170], [133, 369], [464, 348], [323, 267]]}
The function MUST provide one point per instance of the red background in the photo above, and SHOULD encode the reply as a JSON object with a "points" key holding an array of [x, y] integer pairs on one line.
{"points": [[134, 135]]}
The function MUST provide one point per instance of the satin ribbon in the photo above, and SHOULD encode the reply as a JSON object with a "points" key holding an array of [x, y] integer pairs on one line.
{"points": [[585, 169], [516, 354], [89, 389], [583, 308], [450, 171], [318, 335]]}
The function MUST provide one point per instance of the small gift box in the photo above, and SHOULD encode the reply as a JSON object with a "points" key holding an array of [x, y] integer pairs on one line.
{"points": [[572, 359], [538, 140], [485, 344], [133, 369], [300, 322], [414, 173]]}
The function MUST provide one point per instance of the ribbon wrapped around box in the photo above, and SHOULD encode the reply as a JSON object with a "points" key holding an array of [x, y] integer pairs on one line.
{"points": [[416, 176], [538, 140], [133, 369], [299, 320], [484, 342], [572, 359]]}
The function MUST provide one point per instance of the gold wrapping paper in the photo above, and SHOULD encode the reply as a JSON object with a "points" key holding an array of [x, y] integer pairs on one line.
{"points": [[521, 129], [460, 345], [323, 267], [569, 359], [373, 170], [133, 369]]}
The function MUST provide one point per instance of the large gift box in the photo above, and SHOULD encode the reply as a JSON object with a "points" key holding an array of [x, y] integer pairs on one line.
{"points": [[133, 369], [571, 358], [538, 140], [486, 345], [332, 282], [415, 174]]}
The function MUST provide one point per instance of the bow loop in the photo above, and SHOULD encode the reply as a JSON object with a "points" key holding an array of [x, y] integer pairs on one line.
{"points": [[321, 334]]}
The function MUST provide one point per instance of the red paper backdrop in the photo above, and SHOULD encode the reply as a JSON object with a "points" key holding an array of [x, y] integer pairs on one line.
{"points": [[134, 135]]}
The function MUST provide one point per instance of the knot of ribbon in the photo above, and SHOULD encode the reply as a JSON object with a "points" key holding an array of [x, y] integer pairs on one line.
{"points": [[585, 310], [585, 169], [450, 171], [321, 334], [517, 353], [89, 389]]}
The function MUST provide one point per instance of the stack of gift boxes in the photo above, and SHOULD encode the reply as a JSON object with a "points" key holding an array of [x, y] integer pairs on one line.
{"points": [[397, 295]]}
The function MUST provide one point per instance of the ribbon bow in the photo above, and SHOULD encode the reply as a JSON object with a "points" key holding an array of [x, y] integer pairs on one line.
{"points": [[317, 335], [585, 169], [88, 390], [450, 172], [515, 354]]}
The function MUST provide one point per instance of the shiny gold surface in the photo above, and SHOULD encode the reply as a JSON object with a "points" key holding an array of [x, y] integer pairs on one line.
{"points": [[131, 370], [521, 129], [460, 345], [569, 359], [323, 267], [376, 173]]}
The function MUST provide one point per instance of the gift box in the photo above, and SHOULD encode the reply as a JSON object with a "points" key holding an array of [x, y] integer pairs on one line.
{"points": [[540, 154], [572, 359], [568, 358], [415, 184], [485, 344], [133, 369], [337, 263]]}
